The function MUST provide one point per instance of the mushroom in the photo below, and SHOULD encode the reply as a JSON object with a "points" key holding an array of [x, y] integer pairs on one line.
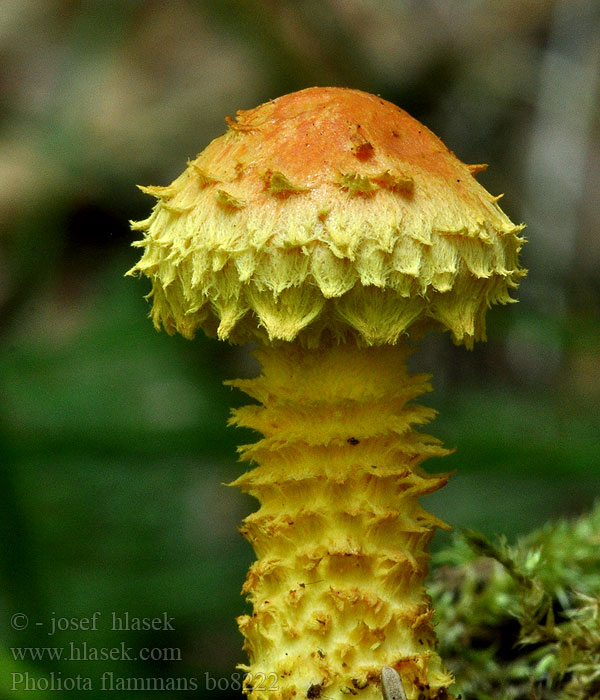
{"points": [[333, 229]]}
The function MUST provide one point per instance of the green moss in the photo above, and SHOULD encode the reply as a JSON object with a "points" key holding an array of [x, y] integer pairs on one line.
{"points": [[523, 621]]}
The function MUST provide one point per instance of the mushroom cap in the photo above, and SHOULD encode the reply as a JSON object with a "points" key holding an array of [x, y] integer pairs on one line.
{"points": [[327, 214]]}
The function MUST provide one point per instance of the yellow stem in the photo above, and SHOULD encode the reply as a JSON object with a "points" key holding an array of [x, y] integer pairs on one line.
{"points": [[341, 540]]}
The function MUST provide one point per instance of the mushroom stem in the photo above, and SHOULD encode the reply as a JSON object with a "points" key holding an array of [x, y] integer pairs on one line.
{"points": [[341, 540]]}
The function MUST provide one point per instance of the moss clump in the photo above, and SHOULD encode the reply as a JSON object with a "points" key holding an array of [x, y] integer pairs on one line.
{"points": [[523, 621]]}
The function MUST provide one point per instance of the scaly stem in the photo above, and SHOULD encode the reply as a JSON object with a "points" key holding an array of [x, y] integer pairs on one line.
{"points": [[340, 537]]}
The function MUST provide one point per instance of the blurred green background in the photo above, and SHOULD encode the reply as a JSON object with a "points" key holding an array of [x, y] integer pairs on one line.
{"points": [[113, 440]]}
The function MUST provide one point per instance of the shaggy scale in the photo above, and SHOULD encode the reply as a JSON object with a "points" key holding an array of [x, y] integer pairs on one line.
{"points": [[327, 213], [337, 590]]}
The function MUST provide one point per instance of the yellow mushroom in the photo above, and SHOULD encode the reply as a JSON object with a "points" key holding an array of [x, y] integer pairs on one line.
{"points": [[331, 226]]}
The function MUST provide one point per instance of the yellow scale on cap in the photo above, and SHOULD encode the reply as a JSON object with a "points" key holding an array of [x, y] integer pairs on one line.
{"points": [[330, 225], [327, 211]]}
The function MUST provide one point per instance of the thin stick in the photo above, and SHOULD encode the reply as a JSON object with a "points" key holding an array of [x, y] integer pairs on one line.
{"points": [[391, 684]]}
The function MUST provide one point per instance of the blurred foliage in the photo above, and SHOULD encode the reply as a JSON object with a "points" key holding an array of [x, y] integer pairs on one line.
{"points": [[113, 445]]}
